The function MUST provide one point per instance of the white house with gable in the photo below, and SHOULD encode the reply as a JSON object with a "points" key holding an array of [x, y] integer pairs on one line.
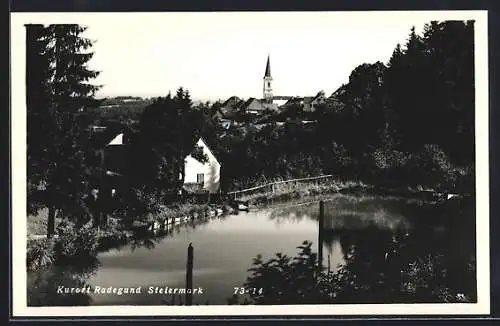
{"points": [[205, 175], [197, 176]]}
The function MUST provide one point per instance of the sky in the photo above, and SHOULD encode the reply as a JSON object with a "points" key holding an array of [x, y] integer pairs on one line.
{"points": [[218, 55]]}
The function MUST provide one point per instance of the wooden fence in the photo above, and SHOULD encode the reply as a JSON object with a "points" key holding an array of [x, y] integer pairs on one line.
{"points": [[271, 187]]}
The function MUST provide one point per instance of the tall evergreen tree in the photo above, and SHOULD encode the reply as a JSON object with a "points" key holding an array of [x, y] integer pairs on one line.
{"points": [[39, 119], [69, 94], [450, 45]]}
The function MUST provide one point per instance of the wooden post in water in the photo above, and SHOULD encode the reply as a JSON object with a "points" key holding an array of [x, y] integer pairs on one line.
{"points": [[321, 223], [189, 276], [329, 267]]}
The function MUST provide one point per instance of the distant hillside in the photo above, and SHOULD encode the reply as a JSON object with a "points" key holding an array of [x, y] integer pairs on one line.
{"points": [[122, 108]]}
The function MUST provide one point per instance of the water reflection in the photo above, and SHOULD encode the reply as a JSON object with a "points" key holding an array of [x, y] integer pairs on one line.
{"points": [[395, 252], [61, 285], [375, 250]]}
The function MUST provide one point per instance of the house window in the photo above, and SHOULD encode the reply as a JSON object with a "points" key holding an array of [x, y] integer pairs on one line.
{"points": [[199, 178]]}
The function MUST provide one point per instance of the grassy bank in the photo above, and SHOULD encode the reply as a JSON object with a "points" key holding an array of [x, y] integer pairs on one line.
{"points": [[180, 210], [37, 224], [298, 190]]}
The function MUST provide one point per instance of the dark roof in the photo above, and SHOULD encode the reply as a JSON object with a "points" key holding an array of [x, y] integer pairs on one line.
{"points": [[232, 101], [239, 105], [211, 145], [320, 94], [101, 139], [268, 68], [294, 100], [247, 103], [282, 97]]}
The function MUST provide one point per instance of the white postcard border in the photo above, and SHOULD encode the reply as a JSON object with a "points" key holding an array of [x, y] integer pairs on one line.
{"points": [[18, 154]]}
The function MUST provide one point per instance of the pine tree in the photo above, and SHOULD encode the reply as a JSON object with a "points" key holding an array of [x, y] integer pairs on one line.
{"points": [[451, 48], [396, 56], [38, 102], [69, 95]]}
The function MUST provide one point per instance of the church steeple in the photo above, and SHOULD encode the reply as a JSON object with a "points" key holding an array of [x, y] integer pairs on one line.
{"points": [[268, 68], [268, 90]]}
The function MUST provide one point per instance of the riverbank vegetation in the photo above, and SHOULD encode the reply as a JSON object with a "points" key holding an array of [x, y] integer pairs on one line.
{"points": [[281, 191], [72, 244], [373, 278]]}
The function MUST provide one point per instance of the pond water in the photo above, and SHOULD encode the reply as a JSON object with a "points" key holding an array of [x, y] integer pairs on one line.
{"points": [[224, 247]]}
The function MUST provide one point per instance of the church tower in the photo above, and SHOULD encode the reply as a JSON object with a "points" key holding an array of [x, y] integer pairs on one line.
{"points": [[268, 90]]}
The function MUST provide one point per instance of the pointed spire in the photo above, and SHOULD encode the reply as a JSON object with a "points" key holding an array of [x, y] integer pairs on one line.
{"points": [[268, 68]]}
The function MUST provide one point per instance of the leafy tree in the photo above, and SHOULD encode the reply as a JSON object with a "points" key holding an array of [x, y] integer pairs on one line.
{"points": [[169, 130], [364, 116]]}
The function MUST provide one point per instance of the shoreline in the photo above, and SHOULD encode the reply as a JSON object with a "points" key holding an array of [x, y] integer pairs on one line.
{"points": [[317, 190], [169, 217]]}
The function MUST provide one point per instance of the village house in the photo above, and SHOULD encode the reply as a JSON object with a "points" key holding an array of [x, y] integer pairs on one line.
{"points": [[257, 106], [234, 107], [111, 146], [308, 103], [232, 103], [230, 108], [311, 104], [204, 177]]}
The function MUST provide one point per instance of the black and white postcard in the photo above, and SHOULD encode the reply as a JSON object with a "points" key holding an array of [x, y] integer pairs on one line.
{"points": [[250, 163]]}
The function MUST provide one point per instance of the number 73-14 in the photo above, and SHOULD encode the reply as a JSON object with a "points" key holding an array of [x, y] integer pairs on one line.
{"points": [[238, 290]]}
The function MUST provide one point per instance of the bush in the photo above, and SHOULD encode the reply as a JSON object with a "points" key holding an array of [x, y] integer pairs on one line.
{"points": [[431, 167], [289, 280], [425, 280], [75, 243], [111, 238], [39, 254], [360, 279], [389, 167], [42, 285]]}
